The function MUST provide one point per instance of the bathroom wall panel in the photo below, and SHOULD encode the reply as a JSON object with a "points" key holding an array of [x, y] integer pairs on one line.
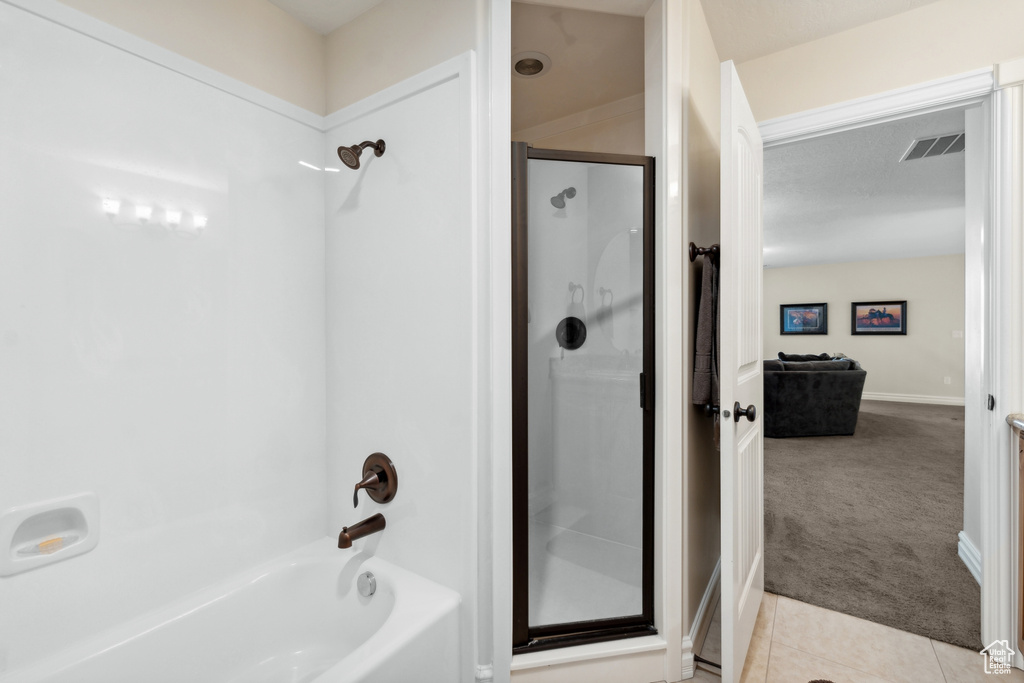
{"points": [[402, 328], [178, 374]]}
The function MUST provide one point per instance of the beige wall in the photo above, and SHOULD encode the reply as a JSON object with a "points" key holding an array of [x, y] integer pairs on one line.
{"points": [[615, 128], [395, 40], [914, 364], [938, 40], [700, 196], [251, 40], [619, 135]]}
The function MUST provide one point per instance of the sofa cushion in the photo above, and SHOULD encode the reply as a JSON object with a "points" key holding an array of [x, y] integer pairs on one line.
{"points": [[803, 356], [812, 403], [817, 366], [773, 366]]}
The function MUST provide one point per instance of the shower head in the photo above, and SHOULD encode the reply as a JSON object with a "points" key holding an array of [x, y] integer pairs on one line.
{"points": [[350, 155], [558, 201]]}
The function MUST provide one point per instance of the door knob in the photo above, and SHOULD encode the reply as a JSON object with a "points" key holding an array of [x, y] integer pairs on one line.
{"points": [[750, 412]]}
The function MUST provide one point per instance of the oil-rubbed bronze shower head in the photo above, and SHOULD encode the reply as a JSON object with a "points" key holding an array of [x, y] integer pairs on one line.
{"points": [[558, 201], [350, 155]]}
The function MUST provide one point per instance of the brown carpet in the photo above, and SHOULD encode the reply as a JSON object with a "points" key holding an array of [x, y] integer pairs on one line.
{"points": [[867, 524]]}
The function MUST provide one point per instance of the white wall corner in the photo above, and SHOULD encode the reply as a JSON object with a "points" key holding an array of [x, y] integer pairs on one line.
{"points": [[970, 555], [701, 622], [1009, 73]]}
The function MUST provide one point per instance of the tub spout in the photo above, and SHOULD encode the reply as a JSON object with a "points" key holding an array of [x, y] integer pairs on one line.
{"points": [[370, 525]]}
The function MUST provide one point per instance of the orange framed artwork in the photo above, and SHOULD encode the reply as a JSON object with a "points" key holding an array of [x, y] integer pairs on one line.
{"points": [[878, 317]]}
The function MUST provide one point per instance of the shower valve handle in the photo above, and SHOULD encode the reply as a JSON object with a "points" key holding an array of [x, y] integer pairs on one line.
{"points": [[379, 479]]}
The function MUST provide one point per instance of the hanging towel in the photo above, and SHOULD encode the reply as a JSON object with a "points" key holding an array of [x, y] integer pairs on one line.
{"points": [[705, 355]]}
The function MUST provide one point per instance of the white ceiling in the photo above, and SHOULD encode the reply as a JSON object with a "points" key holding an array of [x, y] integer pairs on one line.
{"points": [[745, 29], [741, 29], [323, 16], [846, 197]]}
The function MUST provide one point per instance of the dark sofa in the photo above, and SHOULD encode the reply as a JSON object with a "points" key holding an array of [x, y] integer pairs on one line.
{"points": [[812, 397]]}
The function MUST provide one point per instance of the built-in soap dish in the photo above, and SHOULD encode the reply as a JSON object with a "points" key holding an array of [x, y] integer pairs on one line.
{"points": [[43, 533]]}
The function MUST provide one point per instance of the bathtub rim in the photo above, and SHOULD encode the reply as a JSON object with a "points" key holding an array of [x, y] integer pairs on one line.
{"points": [[432, 602]]}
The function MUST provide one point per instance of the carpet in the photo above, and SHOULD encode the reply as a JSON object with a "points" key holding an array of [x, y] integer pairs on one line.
{"points": [[867, 524]]}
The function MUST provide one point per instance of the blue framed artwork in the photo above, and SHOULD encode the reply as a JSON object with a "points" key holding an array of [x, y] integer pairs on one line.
{"points": [[803, 319]]}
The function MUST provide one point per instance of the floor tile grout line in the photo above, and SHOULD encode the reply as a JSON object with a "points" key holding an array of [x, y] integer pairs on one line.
{"points": [[931, 641], [771, 639]]}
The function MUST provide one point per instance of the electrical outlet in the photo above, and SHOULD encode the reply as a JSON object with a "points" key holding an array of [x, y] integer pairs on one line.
{"points": [[947, 380], [958, 334]]}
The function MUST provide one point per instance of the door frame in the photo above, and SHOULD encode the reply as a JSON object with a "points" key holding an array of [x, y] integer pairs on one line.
{"points": [[524, 637], [1002, 332]]}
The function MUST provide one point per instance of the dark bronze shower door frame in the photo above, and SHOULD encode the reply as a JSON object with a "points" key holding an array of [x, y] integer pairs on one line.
{"points": [[525, 638]]}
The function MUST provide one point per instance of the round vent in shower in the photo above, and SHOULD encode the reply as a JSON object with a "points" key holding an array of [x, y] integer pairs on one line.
{"points": [[530, 64]]}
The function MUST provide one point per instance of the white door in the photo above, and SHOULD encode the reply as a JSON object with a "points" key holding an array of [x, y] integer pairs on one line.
{"points": [[740, 372]]}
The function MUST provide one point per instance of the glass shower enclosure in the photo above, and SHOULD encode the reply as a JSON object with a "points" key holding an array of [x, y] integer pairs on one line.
{"points": [[583, 395]]}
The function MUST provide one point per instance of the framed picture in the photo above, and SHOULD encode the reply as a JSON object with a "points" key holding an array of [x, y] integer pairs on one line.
{"points": [[878, 317], [803, 319]]}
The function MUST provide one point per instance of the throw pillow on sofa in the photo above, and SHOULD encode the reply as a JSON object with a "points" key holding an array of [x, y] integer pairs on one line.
{"points": [[814, 365], [803, 356]]}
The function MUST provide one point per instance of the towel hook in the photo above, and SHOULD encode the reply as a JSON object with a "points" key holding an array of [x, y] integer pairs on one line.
{"points": [[696, 251]]}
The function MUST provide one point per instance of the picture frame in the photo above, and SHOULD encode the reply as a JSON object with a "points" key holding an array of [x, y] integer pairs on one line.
{"points": [[878, 317], [803, 318]]}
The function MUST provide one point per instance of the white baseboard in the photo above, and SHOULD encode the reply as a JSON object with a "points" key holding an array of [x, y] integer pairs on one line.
{"points": [[970, 555], [701, 622], [914, 398]]}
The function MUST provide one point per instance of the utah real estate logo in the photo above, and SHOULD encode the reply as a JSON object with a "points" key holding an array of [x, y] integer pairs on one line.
{"points": [[998, 657]]}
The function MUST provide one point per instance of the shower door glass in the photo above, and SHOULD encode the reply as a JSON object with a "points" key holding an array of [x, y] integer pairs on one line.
{"points": [[583, 418]]}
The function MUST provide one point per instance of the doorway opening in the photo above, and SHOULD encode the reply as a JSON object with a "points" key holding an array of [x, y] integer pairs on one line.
{"points": [[864, 485], [871, 263]]}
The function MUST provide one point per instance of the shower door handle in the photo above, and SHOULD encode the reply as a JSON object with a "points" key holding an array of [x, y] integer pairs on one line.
{"points": [[646, 392]]}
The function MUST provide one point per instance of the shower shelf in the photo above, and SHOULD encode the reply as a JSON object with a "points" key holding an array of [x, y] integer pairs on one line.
{"points": [[43, 533]]}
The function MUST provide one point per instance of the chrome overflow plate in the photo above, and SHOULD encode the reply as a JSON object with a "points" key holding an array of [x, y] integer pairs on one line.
{"points": [[366, 584]]}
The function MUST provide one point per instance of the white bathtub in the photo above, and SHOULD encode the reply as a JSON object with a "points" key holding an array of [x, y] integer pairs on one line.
{"points": [[298, 619]]}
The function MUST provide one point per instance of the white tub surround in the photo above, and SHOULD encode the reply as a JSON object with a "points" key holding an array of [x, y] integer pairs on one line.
{"points": [[164, 312], [298, 618], [405, 342], [174, 370]]}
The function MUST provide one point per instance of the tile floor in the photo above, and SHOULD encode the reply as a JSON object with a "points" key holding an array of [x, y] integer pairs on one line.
{"points": [[794, 642]]}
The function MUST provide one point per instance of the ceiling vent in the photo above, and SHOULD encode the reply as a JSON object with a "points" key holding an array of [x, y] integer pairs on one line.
{"points": [[935, 146]]}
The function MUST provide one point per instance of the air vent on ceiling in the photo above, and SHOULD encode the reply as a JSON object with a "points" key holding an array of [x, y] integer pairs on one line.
{"points": [[934, 146]]}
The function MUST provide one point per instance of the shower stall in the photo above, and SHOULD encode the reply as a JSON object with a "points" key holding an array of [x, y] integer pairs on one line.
{"points": [[583, 395]]}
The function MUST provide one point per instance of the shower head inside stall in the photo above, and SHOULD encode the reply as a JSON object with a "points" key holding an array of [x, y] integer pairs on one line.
{"points": [[558, 201], [350, 155]]}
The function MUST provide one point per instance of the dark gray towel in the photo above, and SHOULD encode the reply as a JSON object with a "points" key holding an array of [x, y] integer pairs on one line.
{"points": [[705, 354]]}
